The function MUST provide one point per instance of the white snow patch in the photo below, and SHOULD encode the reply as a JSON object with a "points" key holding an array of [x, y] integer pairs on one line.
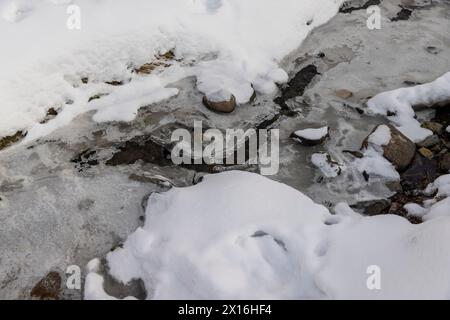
{"points": [[400, 102], [376, 165], [381, 136]]}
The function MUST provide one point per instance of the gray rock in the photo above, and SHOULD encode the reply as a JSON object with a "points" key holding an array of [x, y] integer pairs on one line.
{"points": [[429, 142]]}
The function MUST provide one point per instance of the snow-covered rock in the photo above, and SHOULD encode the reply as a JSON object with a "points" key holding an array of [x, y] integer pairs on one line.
{"points": [[398, 105], [392, 144], [311, 136]]}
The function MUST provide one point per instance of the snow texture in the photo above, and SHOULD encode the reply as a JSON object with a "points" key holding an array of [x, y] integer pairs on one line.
{"points": [[266, 240], [228, 45]]}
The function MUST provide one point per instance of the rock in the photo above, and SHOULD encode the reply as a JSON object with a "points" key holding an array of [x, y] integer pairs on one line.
{"points": [[218, 105], [429, 142], [403, 14], [399, 151], [444, 162], [48, 288], [9, 140], [311, 136], [372, 207], [426, 153], [298, 84], [437, 128], [422, 172], [328, 167], [344, 94]]}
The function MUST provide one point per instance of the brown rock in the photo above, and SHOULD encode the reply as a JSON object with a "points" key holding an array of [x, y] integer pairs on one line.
{"points": [[9, 140], [400, 150], [344, 94], [220, 106], [48, 288]]}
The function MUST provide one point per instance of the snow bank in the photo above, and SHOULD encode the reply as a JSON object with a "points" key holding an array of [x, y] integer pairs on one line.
{"points": [[238, 235], [225, 238], [412, 261], [227, 45], [400, 104]]}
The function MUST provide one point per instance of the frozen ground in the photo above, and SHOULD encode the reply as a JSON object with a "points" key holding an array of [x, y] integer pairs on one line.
{"points": [[56, 213]]}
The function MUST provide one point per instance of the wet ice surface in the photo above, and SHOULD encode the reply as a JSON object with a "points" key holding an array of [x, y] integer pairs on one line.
{"points": [[55, 212]]}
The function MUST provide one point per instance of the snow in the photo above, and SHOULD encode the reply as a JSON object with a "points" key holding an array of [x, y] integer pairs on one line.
{"points": [[226, 45], [225, 238], [328, 168], [312, 133], [439, 206], [400, 103], [265, 240], [413, 260], [376, 165], [373, 161], [381, 136]]}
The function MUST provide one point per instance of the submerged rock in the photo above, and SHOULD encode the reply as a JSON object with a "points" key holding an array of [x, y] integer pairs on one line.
{"points": [[344, 94], [48, 288]]}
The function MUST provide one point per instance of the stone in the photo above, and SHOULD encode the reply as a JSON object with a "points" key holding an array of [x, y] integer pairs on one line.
{"points": [[437, 128], [220, 106], [399, 151], [429, 142], [444, 162], [372, 207], [344, 94], [426, 153], [9, 140], [48, 288], [311, 136], [421, 172]]}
